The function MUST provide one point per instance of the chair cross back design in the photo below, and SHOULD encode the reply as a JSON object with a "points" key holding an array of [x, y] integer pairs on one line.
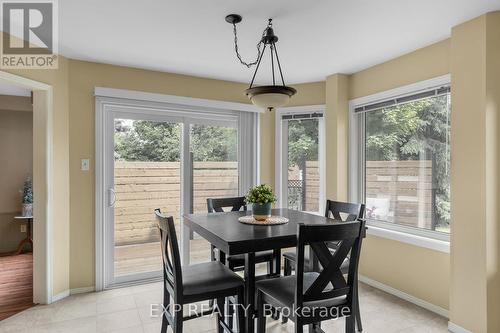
{"points": [[217, 205], [330, 283], [334, 209]]}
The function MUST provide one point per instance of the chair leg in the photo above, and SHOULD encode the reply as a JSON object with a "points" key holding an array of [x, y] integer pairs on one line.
{"points": [[164, 324], [240, 311], [276, 314], [166, 303], [350, 324], [287, 270], [270, 267], [220, 315], [357, 312], [230, 313], [261, 318], [178, 321], [212, 258], [299, 328]]}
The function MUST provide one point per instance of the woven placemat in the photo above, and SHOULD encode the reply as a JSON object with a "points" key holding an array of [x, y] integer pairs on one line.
{"points": [[273, 220]]}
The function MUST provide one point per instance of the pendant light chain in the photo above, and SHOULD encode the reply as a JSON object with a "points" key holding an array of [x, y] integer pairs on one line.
{"points": [[259, 45]]}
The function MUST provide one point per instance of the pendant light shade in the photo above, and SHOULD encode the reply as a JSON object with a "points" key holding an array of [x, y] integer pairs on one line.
{"points": [[270, 97], [266, 97]]}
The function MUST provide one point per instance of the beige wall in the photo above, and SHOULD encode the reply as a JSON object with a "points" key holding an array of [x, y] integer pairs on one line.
{"points": [[16, 149], [475, 182]]}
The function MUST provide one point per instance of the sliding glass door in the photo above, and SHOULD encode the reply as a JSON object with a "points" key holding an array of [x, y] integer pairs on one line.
{"points": [[215, 173], [168, 160]]}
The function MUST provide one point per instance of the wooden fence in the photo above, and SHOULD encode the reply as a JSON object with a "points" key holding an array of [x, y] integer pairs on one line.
{"points": [[143, 186], [400, 190]]}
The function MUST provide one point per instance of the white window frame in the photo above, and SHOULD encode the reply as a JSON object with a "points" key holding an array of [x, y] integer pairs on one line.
{"points": [[280, 158], [425, 238]]}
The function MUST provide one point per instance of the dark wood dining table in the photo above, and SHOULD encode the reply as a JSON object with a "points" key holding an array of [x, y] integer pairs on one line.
{"points": [[231, 237]]}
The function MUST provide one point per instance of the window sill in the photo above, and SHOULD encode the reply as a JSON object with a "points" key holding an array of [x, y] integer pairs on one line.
{"points": [[425, 242]]}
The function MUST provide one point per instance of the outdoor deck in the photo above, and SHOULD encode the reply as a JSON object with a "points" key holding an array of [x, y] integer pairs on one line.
{"points": [[146, 257]]}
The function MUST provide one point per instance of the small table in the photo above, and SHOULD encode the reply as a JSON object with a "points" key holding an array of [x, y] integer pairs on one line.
{"points": [[28, 238]]}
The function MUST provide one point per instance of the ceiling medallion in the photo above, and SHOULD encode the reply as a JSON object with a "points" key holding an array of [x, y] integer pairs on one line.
{"points": [[267, 97]]}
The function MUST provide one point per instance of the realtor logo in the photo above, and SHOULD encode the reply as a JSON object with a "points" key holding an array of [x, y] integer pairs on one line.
{"points": [[29, 38]]}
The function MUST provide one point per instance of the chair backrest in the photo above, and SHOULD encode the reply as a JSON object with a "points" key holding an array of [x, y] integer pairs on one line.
{"points": [[334, 209], [218, 205], [330, 282], [172, 271]]}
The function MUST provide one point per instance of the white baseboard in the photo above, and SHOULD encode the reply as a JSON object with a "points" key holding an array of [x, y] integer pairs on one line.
{"points": [[407, 297], [81, 290], [456, 329], [60, 296], [73, 291]]}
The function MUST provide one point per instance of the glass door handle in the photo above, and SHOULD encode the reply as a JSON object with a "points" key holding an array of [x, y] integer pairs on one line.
{"points": [[112, 197]]}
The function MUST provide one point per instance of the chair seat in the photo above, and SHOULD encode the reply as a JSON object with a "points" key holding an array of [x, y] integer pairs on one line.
{"points": [[208, 277], [260, 257], [292, 256], [283, 290]]}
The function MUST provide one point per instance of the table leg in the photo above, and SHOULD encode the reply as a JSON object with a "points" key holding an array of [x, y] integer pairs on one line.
{"points": [[277, 262], [222, 305], [27, 240], [250, 291]]}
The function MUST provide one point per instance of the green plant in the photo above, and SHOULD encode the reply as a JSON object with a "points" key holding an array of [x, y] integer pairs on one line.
{"points": [[260, 194], [28, 191]]}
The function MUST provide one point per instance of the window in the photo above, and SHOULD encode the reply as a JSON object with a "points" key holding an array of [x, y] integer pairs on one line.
{"points": [[402, 148], [300, 158]]}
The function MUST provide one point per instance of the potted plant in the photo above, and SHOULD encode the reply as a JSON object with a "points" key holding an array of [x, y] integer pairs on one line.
{"points": [[261, 197], [28, 197]]}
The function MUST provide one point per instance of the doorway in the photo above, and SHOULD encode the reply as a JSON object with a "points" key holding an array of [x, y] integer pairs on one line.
{"points": [[42, 180], [157, 156]]}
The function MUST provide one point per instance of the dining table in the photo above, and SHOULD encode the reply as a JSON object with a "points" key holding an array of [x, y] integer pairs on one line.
{"points": [[231, 237]]}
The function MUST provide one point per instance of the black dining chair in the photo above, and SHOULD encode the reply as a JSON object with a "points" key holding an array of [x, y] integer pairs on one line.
{"points": [[339, 211], [194, 283], [237, 262], [313, 297]]}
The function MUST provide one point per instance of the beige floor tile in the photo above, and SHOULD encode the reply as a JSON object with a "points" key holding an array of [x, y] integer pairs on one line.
{"points": [[129, 310], [152, 327], [115, 304], [118, 320]]}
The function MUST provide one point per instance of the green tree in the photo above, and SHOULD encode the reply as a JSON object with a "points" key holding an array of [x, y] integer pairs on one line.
{"points": [[143, 140], [302, 141]]}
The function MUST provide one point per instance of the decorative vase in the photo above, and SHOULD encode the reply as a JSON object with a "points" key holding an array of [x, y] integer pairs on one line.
{"points": [[261, 212], [27, 209]]}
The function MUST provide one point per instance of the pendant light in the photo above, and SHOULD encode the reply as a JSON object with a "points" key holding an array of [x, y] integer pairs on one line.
{"points": [[267, 97]]}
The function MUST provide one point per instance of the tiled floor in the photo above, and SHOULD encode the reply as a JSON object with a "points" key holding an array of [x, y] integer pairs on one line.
{"points": [[128, 310]]}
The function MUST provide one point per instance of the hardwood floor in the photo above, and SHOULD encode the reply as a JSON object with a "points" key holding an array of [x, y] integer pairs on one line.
{"points": [[16, 284]]}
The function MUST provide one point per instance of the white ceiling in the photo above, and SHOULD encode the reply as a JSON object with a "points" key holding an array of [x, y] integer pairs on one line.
{"points": [[317, 37]]}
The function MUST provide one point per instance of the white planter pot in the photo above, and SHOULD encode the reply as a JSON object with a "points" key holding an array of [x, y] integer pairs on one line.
{"points": [[27, 210]]}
